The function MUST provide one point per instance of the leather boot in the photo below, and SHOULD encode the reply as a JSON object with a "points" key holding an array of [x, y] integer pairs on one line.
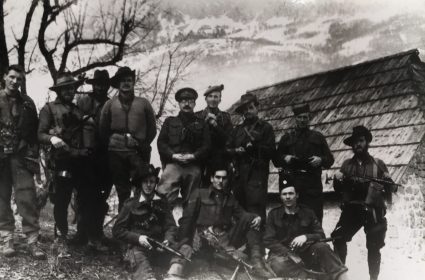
{"points": [[258, 263], [175, 272]]}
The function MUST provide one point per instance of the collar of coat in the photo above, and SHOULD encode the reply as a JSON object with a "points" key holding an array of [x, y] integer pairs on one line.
{"points": [[143, 198]]}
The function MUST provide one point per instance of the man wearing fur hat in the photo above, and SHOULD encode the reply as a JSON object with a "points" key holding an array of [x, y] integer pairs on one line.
{"points": [[294, 228], [18, 152], [303, 153], [91, 105], [220, 126], [127, 127], [363, 199], [183, 146], [146, 216], [60, 127], [252, 145]]}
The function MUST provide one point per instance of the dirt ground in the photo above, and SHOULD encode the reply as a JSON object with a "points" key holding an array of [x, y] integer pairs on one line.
{"points": [[85, 264]]}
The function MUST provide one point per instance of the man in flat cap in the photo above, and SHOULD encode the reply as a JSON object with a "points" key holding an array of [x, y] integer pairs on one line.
{"points": [[91, 105], [60, 127], [183, 146], [303, 153], [128, 127], [220, 126], [18, 152], [363, 199], [293, 230], [252, 145]]}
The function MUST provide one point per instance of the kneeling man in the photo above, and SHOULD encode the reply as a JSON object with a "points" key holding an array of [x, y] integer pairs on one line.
{"points": [[293, 231]]}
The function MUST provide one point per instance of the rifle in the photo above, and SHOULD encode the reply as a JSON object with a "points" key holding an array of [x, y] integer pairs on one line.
{"points": [[296, 259], [167, 248], [367, 179]]}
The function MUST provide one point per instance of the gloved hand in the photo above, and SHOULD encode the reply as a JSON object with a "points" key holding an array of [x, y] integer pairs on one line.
{"points": [[57, 142]]}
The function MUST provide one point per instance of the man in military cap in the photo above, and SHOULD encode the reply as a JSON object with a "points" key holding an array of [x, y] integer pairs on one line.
{"points": [[18, 163], [91, 105], [60, 127], [363, 199], [183, 146], [146, 216], [293, 231], [224, 225], [220, 126], [128, 127], [303, 153], [252, 145]]}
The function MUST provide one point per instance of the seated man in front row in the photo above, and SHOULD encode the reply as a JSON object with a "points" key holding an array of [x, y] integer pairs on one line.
{"points": [[145, 216], [211, 213], [292, 232]]}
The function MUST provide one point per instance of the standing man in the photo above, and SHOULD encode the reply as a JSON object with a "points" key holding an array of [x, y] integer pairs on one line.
{"points": [[91, 105], [216, 215], [363, 199], [220, 126], [61, 128], [294, 229], [128, 127], [183, 146], [18, 150], [252, 145], [303, 153]]}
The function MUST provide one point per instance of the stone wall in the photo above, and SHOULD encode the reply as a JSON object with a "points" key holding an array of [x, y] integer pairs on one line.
{"points": [[407, 213]]}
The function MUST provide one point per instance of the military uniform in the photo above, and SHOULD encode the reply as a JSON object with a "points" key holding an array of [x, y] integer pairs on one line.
{"points": [[69, 165], [99, 168], [252, 167], [18, 164], [304, 144], [185, 134], [145, 216], [362, 208], [282, 228], [219, 135]]}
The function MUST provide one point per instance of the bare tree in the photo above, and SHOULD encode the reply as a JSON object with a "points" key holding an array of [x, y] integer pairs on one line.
{"points": [[108, 33], [4, 57]]}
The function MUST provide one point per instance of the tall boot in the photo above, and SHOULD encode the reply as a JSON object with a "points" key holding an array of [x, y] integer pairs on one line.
{"points": [[258, 262], [175, 272]]}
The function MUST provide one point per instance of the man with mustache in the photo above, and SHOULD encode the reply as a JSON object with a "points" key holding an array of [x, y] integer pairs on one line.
{"points": [[220, 126], [61, 127], [127, 127], [303, 152], [363, 200], [18, 151], [183, 146]]}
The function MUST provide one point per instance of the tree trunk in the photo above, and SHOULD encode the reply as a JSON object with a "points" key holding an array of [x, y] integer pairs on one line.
{"points": [[4, 58]]}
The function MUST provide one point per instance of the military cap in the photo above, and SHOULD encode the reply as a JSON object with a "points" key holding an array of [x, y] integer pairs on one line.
{"points": [[186, 93], [121, 73], [213, 89], [301, 109], [358, 131], [66, 79], [286, 180], [246, 99], [99, 77]]}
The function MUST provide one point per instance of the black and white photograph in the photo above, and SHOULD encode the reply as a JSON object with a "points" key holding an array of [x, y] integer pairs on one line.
{"points": [[212, 139]]}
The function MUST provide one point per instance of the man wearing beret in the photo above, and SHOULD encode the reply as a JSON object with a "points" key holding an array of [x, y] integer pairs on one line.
{"points": [[128, 127], [220, 126], [303, 153], [91, 105], [252, 145], [183, 146], [363, 199], [293, 230]]}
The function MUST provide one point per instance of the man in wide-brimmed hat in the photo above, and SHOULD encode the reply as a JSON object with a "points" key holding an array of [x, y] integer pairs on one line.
{"points": [[91, 105], [220, 126], [18, 152], [363, 199], [147, 215], [183, 145], [293, 228], [61, 127], [304, 152], [127, 127]]}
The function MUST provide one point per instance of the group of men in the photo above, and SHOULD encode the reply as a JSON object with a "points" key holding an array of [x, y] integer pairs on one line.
{"points": [[219, 170]]}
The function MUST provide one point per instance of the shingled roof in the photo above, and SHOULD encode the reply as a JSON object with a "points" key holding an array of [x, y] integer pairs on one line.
{"points": [[386, 95]]}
